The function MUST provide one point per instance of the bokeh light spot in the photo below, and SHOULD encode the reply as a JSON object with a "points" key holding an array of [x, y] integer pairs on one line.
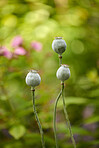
{"points": [[77, 46], [10, 21]]}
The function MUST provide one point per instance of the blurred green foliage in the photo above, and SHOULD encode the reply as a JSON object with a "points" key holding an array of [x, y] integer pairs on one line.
{"points": [[77, 21]]}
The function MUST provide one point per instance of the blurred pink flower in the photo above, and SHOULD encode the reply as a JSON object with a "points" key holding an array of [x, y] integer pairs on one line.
{"points": [[20, 51], [5, 52], [17, 41], [8, 54], [36, 46]]}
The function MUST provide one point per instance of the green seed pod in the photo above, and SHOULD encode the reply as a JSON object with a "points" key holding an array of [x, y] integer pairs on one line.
{"points": [[33, 78], [59, 45], [63, 73]]}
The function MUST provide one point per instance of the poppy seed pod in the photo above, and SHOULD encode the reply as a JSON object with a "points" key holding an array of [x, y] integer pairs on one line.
{"points": [[33, 78], [59, 45], [63, 73]]}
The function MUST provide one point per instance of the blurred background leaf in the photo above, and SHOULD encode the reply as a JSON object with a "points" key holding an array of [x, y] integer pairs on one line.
{"points": [[17, 131]]}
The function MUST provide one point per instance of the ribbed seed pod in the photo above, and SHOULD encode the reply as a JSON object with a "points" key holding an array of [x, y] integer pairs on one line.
{"points": [[59, 45], [33, 78], [63, 73]]}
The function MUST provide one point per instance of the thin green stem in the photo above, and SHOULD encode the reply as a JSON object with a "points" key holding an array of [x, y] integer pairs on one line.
{"points": [[60, 60], [67, 118], [54, 118], [37, 119]]}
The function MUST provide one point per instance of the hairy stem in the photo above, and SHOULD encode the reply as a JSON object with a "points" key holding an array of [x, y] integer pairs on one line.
{"points": [[67, 118], [37, 119], [54, 118]]}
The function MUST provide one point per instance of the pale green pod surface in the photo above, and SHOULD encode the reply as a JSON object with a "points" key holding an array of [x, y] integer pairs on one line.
{"points": [[59, 45], [33, 78], [63, 73]]}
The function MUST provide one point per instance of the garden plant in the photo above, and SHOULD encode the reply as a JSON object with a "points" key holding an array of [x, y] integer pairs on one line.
{"points": [[33, 79], [63, 73]]}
